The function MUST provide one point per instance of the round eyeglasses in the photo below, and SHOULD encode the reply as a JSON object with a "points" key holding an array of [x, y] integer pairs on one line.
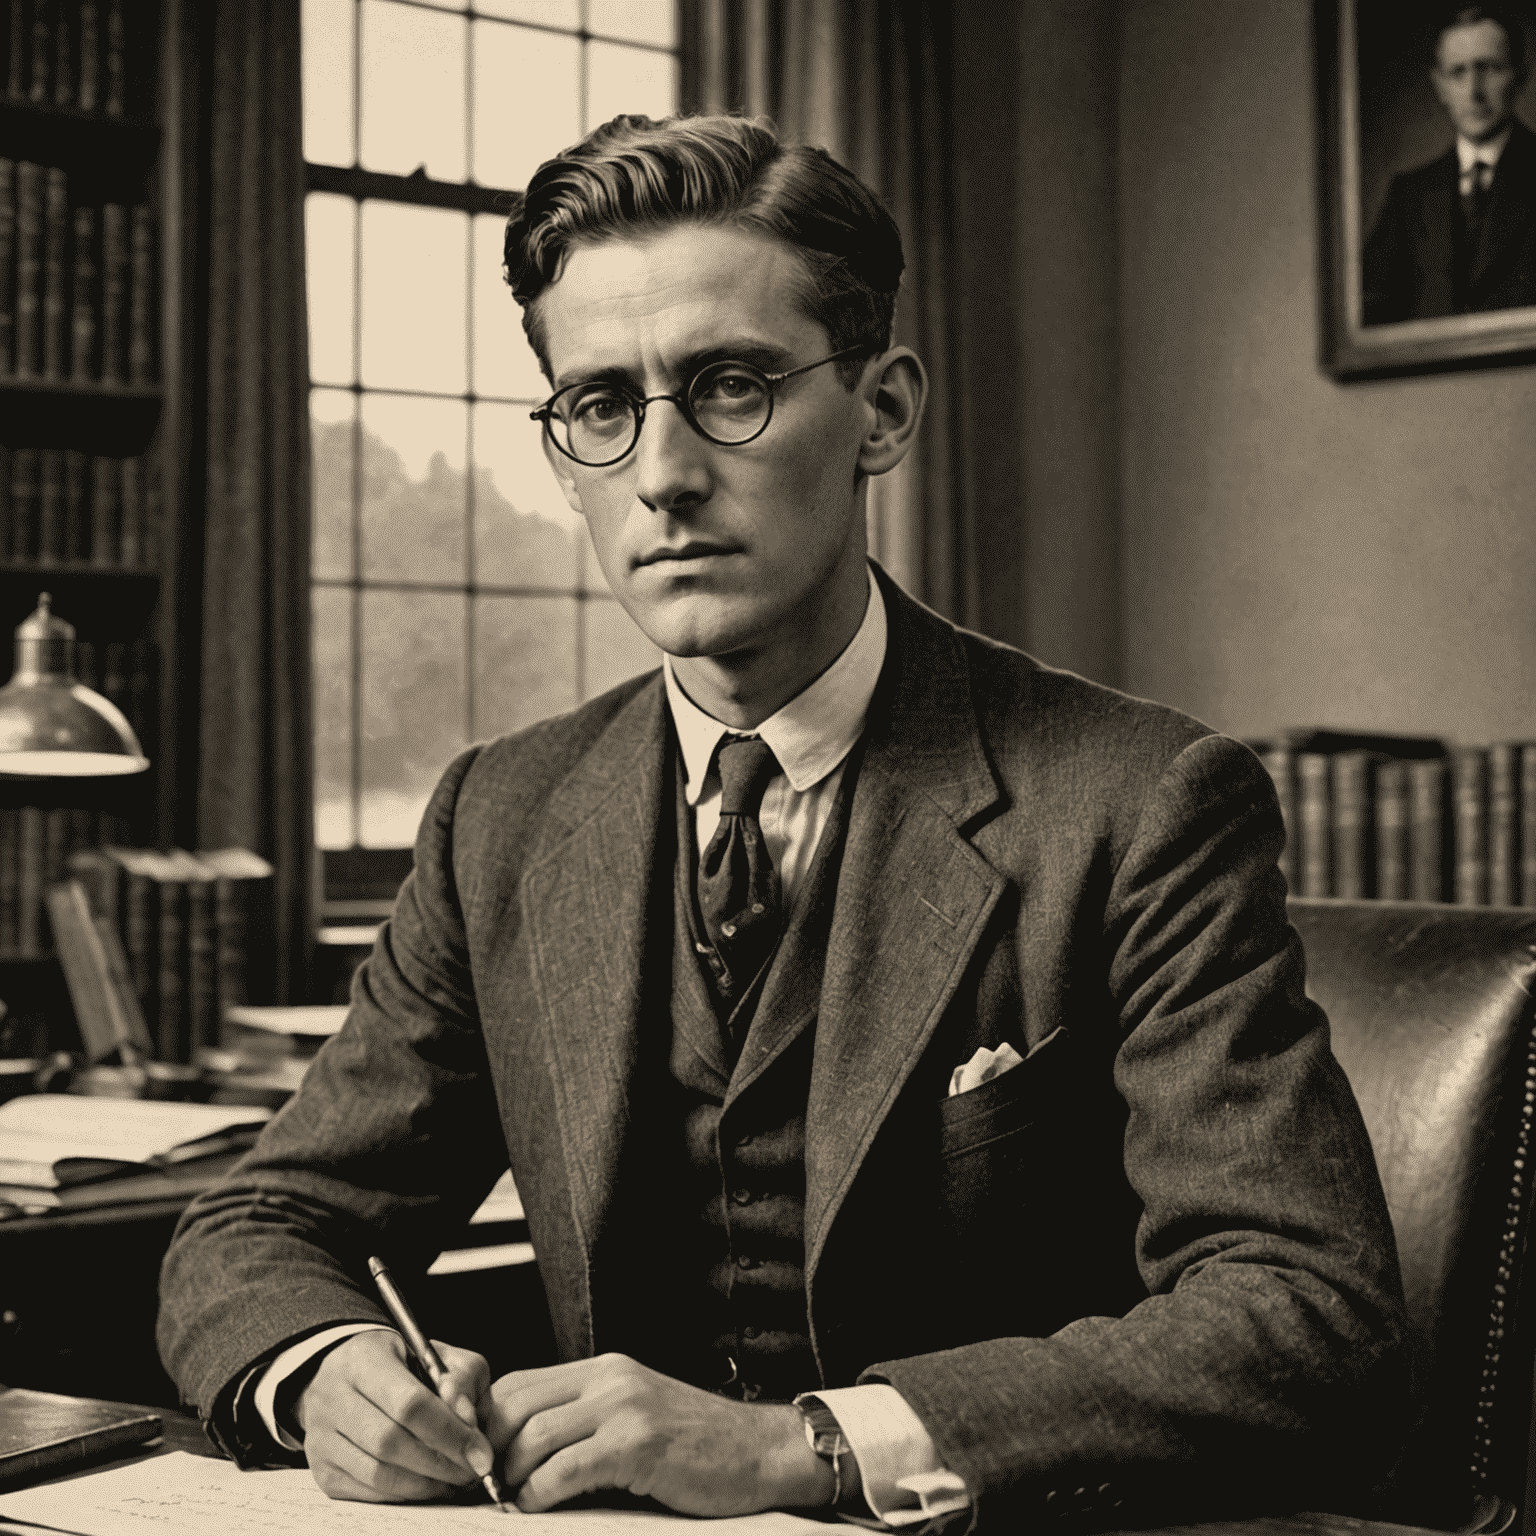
{"points": [[728, 403]]}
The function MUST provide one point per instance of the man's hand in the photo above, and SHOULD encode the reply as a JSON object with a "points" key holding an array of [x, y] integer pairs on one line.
{"points": [[612, 1423], [372, 1431]]}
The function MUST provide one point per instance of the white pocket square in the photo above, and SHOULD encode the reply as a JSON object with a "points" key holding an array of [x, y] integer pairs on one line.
{"points": [[982, 1068]]}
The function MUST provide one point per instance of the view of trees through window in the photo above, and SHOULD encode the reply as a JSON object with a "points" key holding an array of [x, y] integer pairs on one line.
{"points": [[455, 593]]}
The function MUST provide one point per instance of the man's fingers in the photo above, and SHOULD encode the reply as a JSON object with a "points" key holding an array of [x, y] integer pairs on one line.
{"points": [[573, 1470], [345, 1470], [517, 1396], [546, 1433], [407, 1425]]}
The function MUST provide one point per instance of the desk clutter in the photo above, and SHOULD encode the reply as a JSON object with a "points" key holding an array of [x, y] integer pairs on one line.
{"points": [[44, 1430], [1405, 818]]}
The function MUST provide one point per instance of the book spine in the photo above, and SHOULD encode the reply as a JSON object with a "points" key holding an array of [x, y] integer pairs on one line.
{"points": [[1470, 780], [141, 341], [77, 523], [104, 492], [1277, 761], [55, 275], [1426, 829], [55, 844], [90, 57], [64, 87], [114, 673], [10, 883], [31, 852], [1352, 819], [131, 523], [202, 965], [29, 269], [24, 496], [1528, 824], [230, 925], [85, 971], [115, 90], [7, 267], [139, 941], [141, 692], [82, 351], [114, 293], [171, 1038], [1504, 824], [1315, 815], [1392, 831], [42, 47], [50, 503], [16, 73]]}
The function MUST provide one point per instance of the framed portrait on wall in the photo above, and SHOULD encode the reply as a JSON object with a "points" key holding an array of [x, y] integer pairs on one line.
{"points": [[1427, 118]]}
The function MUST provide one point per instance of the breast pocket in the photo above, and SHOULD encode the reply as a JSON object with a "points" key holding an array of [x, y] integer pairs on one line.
{"points": [[1008, 1104]]}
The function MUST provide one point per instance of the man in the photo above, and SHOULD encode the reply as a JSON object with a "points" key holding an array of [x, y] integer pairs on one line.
{"points": [[1458, 236], [866, 1010]]}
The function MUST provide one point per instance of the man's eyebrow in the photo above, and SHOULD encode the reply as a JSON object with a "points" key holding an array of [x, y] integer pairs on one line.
{"points": [[767, 355]]}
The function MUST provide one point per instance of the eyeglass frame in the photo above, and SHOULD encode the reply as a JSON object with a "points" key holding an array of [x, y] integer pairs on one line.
{"points": [[638, 403]]}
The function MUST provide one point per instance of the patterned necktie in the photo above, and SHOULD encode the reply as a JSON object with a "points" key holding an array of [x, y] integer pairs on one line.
{"points": [[738, 885]]}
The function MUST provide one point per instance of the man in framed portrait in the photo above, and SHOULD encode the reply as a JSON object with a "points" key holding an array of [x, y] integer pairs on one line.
{"points": [[1458, 236]]}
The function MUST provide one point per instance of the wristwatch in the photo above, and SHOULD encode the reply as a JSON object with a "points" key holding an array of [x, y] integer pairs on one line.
{"points": [[825, 1436]]}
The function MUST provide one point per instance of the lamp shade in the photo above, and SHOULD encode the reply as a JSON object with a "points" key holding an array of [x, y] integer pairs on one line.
{"points": [[52, 726]]}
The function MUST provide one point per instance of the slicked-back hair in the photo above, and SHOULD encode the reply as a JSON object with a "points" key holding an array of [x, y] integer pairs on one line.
{"points": [[1506, 19], [636, 176]]}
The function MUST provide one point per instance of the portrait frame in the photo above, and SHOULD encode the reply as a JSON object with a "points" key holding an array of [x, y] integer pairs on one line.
{"points": [[1360, 85]]}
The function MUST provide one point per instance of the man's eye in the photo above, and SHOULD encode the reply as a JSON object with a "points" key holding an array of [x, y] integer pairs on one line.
{"points": [[600, 408], [729, 389]]}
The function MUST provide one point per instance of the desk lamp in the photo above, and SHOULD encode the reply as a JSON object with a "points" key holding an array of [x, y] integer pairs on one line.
{"points": [[51, 725]]}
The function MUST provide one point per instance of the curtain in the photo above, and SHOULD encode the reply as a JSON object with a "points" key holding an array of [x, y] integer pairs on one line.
{"points": [[868, 81], [255, 759]]}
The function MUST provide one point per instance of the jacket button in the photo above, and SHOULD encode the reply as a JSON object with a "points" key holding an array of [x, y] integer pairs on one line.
{"points": [[1051, 1495], [742, 1196], [742, 1141], [746, 1261], [750, 1332], [1103, 1487]]}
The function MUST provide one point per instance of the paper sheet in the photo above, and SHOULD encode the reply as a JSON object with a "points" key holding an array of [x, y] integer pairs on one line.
{"points": [[184, 1495]]}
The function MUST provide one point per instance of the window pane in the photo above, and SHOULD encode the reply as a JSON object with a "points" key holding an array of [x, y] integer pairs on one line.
{"points": [[623, 79], [503, 361], [413, 90], [525, 661], [525, 533], [329, 226], [413, 706], [646, 21], [330, 439], [552, 13], [331, 650], [413, 489], [327, 56], [616, 647], [526, 101], [414, 277]]}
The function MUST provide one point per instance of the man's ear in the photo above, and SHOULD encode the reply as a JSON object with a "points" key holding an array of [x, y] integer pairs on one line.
{"points": [[895, 387], [564, 473]]}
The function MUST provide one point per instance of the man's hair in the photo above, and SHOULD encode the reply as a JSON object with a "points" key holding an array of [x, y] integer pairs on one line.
{"points": [[1502, 16], [635, 176]]}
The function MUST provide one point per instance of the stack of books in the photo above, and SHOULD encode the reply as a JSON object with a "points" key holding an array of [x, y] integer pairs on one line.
{"points": [[60, 505], [67, 53], [1400, 818], [59, 1152], [264, 1052]]}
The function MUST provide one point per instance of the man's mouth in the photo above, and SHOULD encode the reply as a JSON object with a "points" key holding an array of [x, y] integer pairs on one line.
{"points": [[693, 550]]}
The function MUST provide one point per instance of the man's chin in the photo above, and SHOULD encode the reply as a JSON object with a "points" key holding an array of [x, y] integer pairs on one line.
{"points": [[693, 626]]}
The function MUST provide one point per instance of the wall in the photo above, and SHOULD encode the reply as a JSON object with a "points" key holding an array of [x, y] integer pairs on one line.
{"points": [[1294, 551]]}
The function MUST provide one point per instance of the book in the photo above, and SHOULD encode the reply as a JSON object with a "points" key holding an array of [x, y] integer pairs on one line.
{"points": [[101, 875], [141, 692], [1329, 741], [105, 1008], [138, 927], [241, 920], [82, 340], [141, 287], [130, 538], [39, 1430], [1315, 817], [1504, 824], [10, 883], [63, 64], [114, 64], [31, 844], [89, 97], [1469, 778], [16, 71], [105, 482], [114, 293], [24, 503], [174, 1181], [29, 269], [1392, 857], [77, 521], [1281, 767], [43, 15], [1353, 859], [53, 1140], [50, 504], [56, 229], [1426, 830], [7, 266]]}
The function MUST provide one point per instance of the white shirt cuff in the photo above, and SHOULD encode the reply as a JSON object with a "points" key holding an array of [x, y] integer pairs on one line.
{"points": [[904, 1480], [289, 1361]]}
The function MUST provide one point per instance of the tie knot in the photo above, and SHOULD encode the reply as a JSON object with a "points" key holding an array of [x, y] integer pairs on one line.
{"points": [[746, 765]]}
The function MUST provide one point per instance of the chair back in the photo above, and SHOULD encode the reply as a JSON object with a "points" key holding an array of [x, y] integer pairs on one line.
{"points": [[1432, 1020]]}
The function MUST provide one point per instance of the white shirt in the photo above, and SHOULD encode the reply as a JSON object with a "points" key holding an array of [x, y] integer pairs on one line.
{"points": [[904, 1480], [1469, 155]]}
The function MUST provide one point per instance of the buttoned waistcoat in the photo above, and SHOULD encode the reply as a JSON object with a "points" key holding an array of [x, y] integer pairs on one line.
{"points": [[1148, 1272]]}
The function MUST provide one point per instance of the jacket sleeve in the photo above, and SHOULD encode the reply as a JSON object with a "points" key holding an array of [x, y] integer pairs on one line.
{"points": [[395, 1110], [1266, 1365]]}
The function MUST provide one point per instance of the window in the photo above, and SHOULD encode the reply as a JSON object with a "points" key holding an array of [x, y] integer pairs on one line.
{"points": [[455, 594]]}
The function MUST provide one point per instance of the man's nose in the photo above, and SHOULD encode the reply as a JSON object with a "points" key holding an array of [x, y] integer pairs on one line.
{"points": [[672, 460]]}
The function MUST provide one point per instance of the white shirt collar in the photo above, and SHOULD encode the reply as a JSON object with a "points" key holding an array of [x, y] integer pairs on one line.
{"points": [[1468, 153], [812, 733]]}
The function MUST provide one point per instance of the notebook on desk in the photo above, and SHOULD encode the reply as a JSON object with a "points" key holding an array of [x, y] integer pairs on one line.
{"points": [[40, 1431]]}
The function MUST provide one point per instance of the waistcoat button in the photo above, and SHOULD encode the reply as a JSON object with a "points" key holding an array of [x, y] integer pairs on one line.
{"points": [[742, 1196], [746, 1261]]}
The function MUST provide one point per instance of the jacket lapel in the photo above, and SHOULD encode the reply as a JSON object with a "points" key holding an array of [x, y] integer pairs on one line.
{"points": [[585, 897], [1509, 204], [913, 899]]}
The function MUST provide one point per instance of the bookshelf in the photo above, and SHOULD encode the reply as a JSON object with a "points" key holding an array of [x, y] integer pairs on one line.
{"points": [[99, 131]]}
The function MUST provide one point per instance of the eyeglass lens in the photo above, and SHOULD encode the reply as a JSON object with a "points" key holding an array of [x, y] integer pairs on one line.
{"points": [[598, 423]]}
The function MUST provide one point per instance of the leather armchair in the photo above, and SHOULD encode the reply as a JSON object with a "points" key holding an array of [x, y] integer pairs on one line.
{"points": [[1433, 1022]]}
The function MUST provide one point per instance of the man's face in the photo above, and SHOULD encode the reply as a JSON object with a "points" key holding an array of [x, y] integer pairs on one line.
{"points": [[713, 550], [1474, 79]]}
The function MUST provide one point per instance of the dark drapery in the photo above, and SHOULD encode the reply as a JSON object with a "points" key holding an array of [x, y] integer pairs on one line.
{"points": [[868, 80], [255, 759]]}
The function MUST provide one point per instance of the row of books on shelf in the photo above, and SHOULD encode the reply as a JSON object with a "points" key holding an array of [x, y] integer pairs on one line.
{"points": [[59, 504], [76, 284], [36, 845], [1407, 819], [68, 55]]}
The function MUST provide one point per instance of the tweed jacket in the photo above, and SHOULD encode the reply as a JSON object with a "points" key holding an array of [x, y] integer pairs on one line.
{"points": [[1147, 1273]]}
